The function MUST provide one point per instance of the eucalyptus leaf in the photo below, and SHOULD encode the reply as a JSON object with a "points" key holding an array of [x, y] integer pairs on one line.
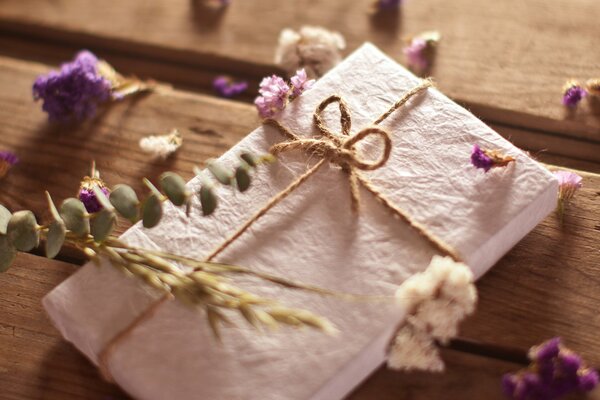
{"points": [[219, 172], [174, 187], [7, 253], [242, 178], [125, 201], [208, 200], [152, 211], [74, 214], [102, 224], [55, 238], [52, 207], [23, 231], [249, 158], [4, 218], [102, 199]]}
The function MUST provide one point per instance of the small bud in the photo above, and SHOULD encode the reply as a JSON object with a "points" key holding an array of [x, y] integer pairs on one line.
{"points": [[152, 211]]}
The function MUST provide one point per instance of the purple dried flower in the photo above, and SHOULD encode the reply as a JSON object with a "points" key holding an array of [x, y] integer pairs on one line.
{"points": [[227, 87], [274, 92], [481, 160], [7, 161], [388, 4], [555, 371], [87, 195], [588, 379], [573, 93], [74, 92], [487, 159], [546, 351], [300, 83]]}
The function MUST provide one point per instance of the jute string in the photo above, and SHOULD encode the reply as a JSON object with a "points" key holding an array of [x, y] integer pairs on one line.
{"points": [[333, 148]]}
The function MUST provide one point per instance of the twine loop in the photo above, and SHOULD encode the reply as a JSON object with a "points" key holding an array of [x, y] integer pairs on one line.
{"points": [[338, 149]]}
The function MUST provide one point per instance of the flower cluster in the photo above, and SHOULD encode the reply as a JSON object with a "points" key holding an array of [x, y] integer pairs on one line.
{"points": [[314, 48], [555, 371], [162, 146], [7, 161], [436, 301], [568, 184], [227, 87], [74, 92], [275, 93], [86, 191], [420, 51], [488, 159]]}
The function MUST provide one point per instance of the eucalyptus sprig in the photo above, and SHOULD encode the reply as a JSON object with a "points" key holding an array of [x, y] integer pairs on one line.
{"points": [[208, 285]]}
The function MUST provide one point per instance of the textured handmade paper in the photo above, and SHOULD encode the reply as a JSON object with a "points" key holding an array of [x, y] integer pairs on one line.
{"points": [[313, 236]]}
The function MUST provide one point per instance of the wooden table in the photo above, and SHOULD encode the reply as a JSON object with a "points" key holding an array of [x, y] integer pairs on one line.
{"points": [[506, 62]]}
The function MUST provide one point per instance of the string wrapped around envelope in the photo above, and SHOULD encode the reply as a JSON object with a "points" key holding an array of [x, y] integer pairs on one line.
{"points": [[338, 149]]}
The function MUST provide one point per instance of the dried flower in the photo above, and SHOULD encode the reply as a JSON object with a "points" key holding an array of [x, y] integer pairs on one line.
{"points": [[593, 87], [554, 371], [162, 146], [7, 161], [300, 83], [74, 92], [275, 93], [413, 350], [487, 159], [436, 301], [568, 184], [227, 87], [383, 5], [573, 93], [314, 48], [86, 191], [420, 51]]}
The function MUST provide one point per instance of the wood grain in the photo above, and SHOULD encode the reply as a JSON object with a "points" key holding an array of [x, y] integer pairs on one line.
{"points": [[546, 286], [507, 62], [35, 362]]}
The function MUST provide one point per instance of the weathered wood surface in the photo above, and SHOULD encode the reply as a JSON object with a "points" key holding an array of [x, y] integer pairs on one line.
{"points": [[507, 62], [546, 286], [36, 363]]}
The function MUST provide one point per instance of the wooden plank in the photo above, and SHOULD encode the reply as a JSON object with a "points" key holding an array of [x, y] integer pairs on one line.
{"points": [[56, 158], [506, 62], [511, 301], [36, 363], [548, 284]]}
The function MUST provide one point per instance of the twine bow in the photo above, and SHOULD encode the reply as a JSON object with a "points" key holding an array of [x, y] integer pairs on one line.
{"points": [[338, 149], [334, 148]]}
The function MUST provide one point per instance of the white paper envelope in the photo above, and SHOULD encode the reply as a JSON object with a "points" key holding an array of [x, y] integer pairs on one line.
{"points": [[314, 237]]}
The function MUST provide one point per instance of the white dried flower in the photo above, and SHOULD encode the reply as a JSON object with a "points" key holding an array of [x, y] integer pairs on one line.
{"points": [[436, 301], [413, 350], [162, 146], [313, 48]]}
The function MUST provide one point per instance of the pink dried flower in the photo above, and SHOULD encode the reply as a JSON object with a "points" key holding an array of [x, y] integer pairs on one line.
{"points": [[7, 161], [568, 183], [415, 54], [275, 93], [419, 53], [300, 82]]}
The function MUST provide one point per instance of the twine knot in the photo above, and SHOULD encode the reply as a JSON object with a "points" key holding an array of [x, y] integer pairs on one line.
{"points": [[338, 149]]}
